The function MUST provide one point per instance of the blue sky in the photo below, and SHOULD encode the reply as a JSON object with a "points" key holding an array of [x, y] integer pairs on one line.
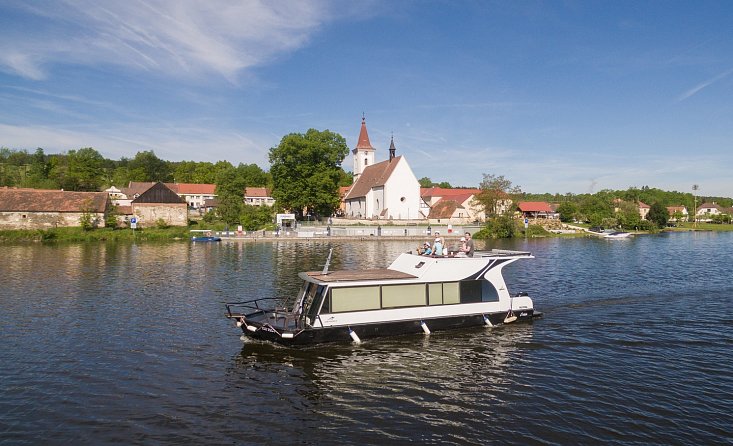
{"points": [[557, 96]]}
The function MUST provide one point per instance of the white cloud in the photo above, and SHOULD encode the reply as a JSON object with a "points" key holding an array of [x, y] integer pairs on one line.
{"points": [[696, 89], [185, 38]]}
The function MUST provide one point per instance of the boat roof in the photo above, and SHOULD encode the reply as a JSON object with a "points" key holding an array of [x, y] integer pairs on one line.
{"points": [[367, 274]]}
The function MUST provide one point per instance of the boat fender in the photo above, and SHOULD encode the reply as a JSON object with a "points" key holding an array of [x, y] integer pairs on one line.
{"points": [[354, 337], [286, 335], [240, 322], [425, 327], [487, 322], [251, 328], [510, 317]]}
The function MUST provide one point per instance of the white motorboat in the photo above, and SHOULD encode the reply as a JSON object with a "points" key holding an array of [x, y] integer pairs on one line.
{"points": [[415, 294]]}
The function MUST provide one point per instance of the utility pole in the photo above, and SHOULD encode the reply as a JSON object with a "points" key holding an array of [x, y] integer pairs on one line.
{"points": [[695, 187]]}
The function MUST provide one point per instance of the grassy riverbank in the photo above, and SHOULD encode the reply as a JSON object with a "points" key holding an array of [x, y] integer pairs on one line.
{"points": [[101, 234]]}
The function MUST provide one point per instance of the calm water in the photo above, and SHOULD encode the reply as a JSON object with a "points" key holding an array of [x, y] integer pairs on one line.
{"points": [[128, 344]]}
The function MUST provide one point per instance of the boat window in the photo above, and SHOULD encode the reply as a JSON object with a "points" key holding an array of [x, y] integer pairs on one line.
{"points": [[471, 291], [488, 292], [451, 293], [412, 295], [354, 299], [314, 303], [435, 294]]}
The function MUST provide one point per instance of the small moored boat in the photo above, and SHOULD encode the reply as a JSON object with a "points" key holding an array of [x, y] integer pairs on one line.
{"points": [[205, 236], [415, 294]]}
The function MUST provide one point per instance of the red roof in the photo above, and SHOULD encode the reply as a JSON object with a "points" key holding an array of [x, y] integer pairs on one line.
{"points": [[192, 188], [444, 208], [534, 206], [445, 192], [261, 192], [32, 200], [363, 142], [373, 176]]}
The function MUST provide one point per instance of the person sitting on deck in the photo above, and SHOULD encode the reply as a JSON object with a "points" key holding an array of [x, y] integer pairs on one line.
{"points": [[426, 251], [438, 247]]}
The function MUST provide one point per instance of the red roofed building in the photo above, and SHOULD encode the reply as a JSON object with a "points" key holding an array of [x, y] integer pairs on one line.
{"points": [[258, 196], [194, 194], [46, 209], [457, 206], [536, 209]]}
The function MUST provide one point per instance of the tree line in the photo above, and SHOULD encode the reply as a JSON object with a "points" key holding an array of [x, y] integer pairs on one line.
{"points": [[304, 176]]}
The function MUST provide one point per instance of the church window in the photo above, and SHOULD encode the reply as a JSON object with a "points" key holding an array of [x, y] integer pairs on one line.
{"points": [[402, 199], [366, 161]]}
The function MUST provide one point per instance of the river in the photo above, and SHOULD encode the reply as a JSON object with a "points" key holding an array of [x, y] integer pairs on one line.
{"points": [[128, 343]]}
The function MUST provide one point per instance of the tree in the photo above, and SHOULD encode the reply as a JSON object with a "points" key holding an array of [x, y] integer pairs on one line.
{"points": [[658, 214], [567, 211], [496, 194], [305, 171], [628, 215], [230, 192], [425, 182], [445, 185], [148, 167]]}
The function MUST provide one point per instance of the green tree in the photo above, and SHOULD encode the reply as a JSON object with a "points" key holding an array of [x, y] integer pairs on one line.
{"points": [[305, 171], [425, 182], [445, 185], [628, 215], [496, 194], [567, 211], [658, 214], [148, 167], [230, 192], [256, 217]]}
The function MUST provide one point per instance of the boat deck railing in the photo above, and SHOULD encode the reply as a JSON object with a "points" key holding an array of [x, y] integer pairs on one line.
{"points": [[253, 306]]}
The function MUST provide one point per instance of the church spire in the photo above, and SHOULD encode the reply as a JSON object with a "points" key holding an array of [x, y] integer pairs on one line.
{"points": [[363, 142], [392, 149]]}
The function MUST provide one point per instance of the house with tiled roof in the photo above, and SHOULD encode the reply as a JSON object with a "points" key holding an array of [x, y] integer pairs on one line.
{"points": [[644, 210], [46, 209], [384, 190], [706, 211], [258, 196], [536, 209], [194, 194], [675, 210], [642, 207], [455, 206], [160, 204]]}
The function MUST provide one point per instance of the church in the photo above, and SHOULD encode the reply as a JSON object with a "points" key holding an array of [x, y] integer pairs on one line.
{"points": [[385, 190]]}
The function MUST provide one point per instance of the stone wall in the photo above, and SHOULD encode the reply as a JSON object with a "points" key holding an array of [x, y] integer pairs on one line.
{"points": [[173, 214], [44, 220]]}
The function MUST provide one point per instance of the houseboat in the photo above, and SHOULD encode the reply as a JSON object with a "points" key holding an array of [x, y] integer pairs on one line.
{"points": [[415, 294]]}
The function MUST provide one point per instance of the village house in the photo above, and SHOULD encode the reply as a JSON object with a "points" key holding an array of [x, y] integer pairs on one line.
{"points": [[642, 207], [384, 190], [536, 209], [706, 211], [258, 196], [675, 210], [46, 209], [194, 194], [453, 206], [159, 204]]}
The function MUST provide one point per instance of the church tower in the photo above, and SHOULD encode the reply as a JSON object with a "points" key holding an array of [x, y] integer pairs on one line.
{"points": [[363, 152]]}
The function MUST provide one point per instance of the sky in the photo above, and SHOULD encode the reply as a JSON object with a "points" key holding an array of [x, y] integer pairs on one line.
{"points": [[556, 96]]}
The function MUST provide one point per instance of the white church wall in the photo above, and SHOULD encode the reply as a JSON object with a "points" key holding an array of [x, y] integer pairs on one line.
{"points": [[402, 196]]}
